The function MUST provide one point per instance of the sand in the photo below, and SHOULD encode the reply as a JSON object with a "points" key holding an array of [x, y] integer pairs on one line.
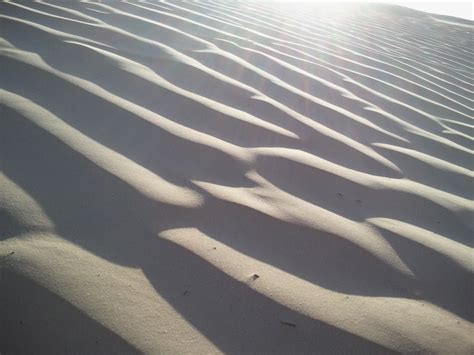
{"points": [[217, 177]]}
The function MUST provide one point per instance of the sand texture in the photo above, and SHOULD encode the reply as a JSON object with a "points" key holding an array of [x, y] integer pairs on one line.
{"points": [[239, 178]]}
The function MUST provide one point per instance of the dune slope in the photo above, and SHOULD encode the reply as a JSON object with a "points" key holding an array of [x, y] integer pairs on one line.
{"points": [[217, 177]]}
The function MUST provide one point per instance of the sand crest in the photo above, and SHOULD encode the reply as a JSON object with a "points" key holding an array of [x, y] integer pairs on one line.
{"points": [[217, 177]]}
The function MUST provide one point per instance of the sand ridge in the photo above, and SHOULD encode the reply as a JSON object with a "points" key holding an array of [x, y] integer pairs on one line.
{"points": [[246, 177]]}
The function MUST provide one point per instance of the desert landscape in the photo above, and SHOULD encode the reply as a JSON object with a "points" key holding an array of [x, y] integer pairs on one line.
{"points": [[235, 177]]}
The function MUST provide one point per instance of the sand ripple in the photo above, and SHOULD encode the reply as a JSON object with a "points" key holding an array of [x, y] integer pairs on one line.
{"points": [[206, 177]]}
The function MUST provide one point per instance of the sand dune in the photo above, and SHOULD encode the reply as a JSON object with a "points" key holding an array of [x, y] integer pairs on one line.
{"points": [[223, 177]]}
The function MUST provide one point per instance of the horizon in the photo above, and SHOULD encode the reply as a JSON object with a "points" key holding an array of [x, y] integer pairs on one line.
{"points": [[458, 9]]}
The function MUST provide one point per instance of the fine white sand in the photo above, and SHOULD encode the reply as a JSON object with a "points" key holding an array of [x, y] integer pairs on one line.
{"points": [[217, 177]]}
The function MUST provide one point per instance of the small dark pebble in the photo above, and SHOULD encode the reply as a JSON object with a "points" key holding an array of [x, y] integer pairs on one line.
{"points": [[254, 277], [185, 293], [339, 194], [288, 323]]}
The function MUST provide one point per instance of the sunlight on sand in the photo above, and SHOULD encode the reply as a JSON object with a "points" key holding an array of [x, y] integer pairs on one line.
{"points": [[234, 177]]}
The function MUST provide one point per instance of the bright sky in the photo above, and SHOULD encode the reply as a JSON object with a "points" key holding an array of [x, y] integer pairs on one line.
{"points": [[451, 8], [463, 9]]}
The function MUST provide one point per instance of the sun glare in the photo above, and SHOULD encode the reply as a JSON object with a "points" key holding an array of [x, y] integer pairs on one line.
{"points": [[461, 9]]}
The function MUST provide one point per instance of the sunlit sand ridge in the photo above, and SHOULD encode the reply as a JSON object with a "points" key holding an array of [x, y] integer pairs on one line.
{"points": [[207, 177]]}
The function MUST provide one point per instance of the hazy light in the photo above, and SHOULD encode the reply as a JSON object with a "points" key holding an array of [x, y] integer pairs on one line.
{"points": [[456, 9], [462, 9]]}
